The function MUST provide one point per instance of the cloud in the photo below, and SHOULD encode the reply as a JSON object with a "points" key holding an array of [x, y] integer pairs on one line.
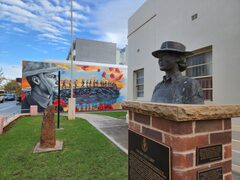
{"points": [[14, 3], [48, 22], [75, 15], [49, 18], [112, 20], [53, 38], [19, 30], [77, 6], [61, 20], [60, 48], [15, 10]]}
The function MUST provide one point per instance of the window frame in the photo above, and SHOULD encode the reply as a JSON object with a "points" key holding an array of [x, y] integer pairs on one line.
{"points": [[137, 84], [201, 51]]}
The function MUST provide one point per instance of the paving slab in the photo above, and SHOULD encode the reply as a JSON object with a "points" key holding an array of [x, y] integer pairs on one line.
{"points": [[236, 135], [114, 129], [236, 158], [120, 134], [236, 121], [235, 176]]}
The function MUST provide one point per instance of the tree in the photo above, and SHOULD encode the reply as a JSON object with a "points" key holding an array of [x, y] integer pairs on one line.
{"points": [[13, 86], [1, 77]]}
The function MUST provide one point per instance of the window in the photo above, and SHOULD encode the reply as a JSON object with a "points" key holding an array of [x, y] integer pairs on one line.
{"points": [[139, 75], [195, 16], [200, 68]]}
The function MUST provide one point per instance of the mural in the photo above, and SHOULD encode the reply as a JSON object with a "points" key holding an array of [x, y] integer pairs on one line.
{"points": [[95, 87]]}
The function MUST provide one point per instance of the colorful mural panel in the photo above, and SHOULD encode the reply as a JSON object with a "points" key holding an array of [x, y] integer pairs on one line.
{"points": [[95, 87]]}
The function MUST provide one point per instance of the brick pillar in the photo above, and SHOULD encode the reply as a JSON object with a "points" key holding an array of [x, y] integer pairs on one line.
{"points": [[1, 124], [33, 110], [199, 136]]}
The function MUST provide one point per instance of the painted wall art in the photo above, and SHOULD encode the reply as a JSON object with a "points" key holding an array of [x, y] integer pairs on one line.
{"points": [[96, 86]]}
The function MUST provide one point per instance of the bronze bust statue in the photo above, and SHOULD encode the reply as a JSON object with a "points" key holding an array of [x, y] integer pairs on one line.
{"points": [[175, 88]]}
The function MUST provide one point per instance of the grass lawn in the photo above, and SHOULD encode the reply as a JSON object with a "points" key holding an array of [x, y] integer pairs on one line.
{"points": [[87, 153], [115, 114]]}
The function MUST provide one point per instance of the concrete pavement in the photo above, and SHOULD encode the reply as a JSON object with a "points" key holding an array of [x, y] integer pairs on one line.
{"points": [[116, 130]]}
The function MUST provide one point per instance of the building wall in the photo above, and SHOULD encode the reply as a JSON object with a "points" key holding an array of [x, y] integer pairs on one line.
{"points": [[94, 51], [217, 25]]}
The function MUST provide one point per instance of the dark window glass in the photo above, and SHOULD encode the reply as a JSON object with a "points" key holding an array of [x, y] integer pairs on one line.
{"points": [[200, 68], [139, 83]]}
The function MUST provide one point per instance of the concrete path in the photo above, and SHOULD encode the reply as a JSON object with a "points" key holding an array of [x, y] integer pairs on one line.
{"points": [[116, 130]]}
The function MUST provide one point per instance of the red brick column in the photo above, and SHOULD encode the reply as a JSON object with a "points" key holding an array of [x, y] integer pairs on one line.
{"points": [[185, 135], [33, 110], [184, 138], [1, 124]]}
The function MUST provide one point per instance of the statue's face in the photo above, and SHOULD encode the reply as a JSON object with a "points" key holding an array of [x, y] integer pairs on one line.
{"points": [[167, 62]]}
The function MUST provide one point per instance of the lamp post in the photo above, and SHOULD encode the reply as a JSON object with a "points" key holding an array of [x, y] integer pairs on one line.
{"points": [[59, 97], [72, 100]]}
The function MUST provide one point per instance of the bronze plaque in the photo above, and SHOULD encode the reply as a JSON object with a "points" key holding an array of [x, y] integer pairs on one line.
{"points": [[215, 174], [147, 159], [208, 154]]}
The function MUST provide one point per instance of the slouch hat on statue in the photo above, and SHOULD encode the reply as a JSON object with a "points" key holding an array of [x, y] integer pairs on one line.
{"points": [[171, 46]]}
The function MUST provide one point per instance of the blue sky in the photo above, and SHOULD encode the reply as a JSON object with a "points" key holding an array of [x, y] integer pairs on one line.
{"points": [[40, 29]]}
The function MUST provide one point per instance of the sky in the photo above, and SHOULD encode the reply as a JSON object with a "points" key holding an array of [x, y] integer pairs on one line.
{"points": [[37, 30]]}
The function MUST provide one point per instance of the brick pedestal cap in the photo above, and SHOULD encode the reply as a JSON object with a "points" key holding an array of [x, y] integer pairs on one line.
{"points": [[183, 112]]}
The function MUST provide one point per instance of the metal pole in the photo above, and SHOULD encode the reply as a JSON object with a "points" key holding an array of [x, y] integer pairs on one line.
{"points": [[58, 119], [71, 49], [71, 101]]}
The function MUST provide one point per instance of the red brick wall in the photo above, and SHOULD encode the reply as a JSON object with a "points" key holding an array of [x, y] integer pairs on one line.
{"points": [[183, 138]]}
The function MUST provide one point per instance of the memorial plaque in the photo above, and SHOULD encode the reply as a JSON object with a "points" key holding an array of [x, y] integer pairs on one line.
{"points": [[215, 174], [147, 159], [209, 154]]}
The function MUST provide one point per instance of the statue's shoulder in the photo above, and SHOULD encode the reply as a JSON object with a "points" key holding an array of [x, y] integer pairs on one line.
{"points": [[191, 85], [188, 80], [158, 84]]}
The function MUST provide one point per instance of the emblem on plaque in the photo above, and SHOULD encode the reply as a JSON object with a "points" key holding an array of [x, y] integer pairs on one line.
{"points": [[148, 159], [144, 145]]}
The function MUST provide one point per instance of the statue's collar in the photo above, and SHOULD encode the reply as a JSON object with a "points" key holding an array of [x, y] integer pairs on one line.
{"points": [[173, 77]]}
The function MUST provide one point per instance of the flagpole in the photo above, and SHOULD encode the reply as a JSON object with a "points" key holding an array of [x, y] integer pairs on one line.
{"points": [[71, 100], [71, 50]]}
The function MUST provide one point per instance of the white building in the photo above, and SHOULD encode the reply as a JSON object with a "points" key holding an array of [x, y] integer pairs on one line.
{"points": [[87, 50], [209, 28]]}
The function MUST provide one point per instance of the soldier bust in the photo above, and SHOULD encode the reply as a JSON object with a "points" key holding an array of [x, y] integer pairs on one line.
{"points": [[175, 88]]}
